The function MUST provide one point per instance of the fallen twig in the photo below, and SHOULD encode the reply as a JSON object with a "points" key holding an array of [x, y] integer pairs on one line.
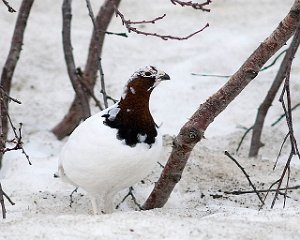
{"points": [[240, 192], [71, 196]]}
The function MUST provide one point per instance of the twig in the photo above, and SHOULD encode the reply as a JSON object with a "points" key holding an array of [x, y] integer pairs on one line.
{"points": [[2, 195], [198, 6], [117, 34], [2, 202], [280, 150], [280, 180], [153, 21], [128, 23], [91, 14], [287, 185], [243, 137], [162, 166], [246, 174], [9, 8], [283, 115], [240, 192], [17, 136], [274, 61], [71, 196], [228, 76], [211, 75], [130, 193], [88, 89], [9, 97], [110, 98]]}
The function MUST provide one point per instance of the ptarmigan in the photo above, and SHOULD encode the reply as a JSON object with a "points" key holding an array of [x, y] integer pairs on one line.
{"points": [[116, 147]]}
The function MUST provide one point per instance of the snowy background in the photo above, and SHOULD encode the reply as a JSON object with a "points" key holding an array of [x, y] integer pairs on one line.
{"points": [[198, 207]]}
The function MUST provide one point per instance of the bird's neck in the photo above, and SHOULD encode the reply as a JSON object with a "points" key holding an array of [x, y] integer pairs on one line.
{"points": [[133, 120], [132, 105]]}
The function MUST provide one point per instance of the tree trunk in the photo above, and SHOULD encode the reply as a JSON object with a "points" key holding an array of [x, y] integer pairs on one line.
{"points": [[192, 132], [10, 65], [266, 104], [75, 114]]}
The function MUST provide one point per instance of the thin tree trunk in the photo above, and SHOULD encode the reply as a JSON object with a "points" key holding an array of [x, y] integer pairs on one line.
{"points": [[69, 58], [10, 65], [192, 132], [266, 104], [74, 115]]}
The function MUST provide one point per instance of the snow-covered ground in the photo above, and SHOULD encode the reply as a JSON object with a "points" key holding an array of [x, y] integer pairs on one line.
{"points": [[198, 207]]}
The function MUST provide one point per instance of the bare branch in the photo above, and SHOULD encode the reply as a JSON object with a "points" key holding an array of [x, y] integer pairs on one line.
{"points": [[128, 24], [198, 6], [281, 147], [9, 8], [69, 58], [247, 176]]}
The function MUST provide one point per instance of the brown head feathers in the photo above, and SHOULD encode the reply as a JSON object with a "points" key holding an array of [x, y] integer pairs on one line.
{"points": [[131, 115]]}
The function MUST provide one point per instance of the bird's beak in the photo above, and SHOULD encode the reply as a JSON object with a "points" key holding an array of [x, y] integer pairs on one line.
{"points": [[165, 77]]}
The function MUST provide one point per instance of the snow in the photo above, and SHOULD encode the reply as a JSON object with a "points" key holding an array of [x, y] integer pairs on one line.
{"points": [[198, 207]]}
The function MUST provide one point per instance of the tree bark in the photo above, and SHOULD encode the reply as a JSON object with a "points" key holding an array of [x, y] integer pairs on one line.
{"points": [[10, 65], [192, 132], [75, 114], [263, 109]]}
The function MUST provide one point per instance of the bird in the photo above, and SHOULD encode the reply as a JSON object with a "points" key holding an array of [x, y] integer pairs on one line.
{"points": [[117, 147]]}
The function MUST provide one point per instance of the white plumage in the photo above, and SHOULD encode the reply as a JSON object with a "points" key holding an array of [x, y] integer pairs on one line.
{"points": [[99, 158]]}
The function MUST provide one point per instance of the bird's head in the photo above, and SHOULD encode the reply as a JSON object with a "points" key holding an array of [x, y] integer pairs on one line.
{"points": [[145, 80]]}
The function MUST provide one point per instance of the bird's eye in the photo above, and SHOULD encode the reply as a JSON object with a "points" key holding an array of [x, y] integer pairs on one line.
{"points": [[148, 74]]}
